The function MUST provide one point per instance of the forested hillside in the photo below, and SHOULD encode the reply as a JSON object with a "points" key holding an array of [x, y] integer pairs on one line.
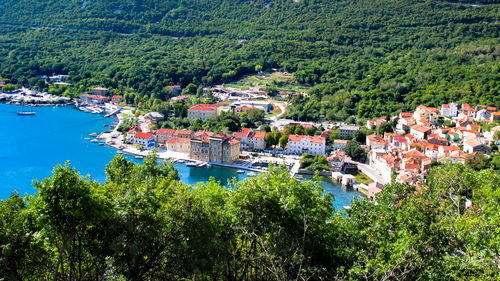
{"points": [[370, 57]]}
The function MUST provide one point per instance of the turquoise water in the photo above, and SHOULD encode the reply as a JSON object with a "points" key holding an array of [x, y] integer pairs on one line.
{"points": [[32, 145]]}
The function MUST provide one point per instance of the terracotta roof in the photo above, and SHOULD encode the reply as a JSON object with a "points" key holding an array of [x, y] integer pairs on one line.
{"points": [[315, 139], [491, 108], [406, 114], [182, 132], [204, 107], [421, 129], [340, 141], [450, 148], [135, 129], [165, 131], [260, 135], [117, 97], [95, 96], [142, 135], [171, 141]]}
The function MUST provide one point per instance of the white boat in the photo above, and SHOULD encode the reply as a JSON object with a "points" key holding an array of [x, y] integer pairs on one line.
{"points": [[94, 140], [240, 172], [209, 165], [139, 157], [93, 134], [86, 138], [180, 161], [191, 164], [25, 113], [299, 177], [252, 174]]}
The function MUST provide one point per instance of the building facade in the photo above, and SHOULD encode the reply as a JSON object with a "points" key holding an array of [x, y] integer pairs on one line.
{"points": [[202, 112], [306, 144]]}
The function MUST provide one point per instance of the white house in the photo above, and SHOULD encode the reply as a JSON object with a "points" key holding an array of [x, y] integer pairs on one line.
{"points": [[420, 132], [471, 145], [339, 144], [144, 139], [306, 144], [449, 109], [203, 111], [348, 131]]}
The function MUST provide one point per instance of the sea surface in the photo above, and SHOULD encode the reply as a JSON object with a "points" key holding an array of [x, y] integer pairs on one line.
{"points": [[31, 146]]}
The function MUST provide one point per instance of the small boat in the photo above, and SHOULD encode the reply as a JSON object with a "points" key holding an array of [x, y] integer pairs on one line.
{"points": [[252, 174], [93, 134], [25, 113], [101, 144], [240, 172], [299, 177], [94, 140], [119, 152], [86, 138], [180, 161], [209, 165], [106, 125], [191, 164], [139, 157]]}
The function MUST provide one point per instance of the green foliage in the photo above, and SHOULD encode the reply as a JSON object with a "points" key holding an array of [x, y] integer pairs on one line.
{"points": [[10, 87], [314, 162], [143, 224], [364, 58], [355, 151], [126, 124]]}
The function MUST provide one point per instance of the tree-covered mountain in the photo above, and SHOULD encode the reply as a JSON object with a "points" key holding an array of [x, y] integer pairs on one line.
{"points": [[371, 57]]}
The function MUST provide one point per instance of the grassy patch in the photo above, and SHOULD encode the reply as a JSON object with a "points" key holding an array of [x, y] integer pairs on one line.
{"points": [[362, 178]]}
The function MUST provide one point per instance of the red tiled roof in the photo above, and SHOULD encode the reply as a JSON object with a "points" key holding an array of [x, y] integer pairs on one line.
{"points": [[165, 131], [204, 107], [260, 135], [421, 129], [171, 141], [315, 139], [117, 97], [142, 135]]}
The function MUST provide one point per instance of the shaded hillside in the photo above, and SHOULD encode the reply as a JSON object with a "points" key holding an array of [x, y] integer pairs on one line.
{"points": [[382, 56]]}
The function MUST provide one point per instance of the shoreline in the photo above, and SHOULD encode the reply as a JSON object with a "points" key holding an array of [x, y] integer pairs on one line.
{"points": [[164, 154]]}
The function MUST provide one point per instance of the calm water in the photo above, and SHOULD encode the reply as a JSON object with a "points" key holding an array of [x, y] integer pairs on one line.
{"points": [[32, 145]]}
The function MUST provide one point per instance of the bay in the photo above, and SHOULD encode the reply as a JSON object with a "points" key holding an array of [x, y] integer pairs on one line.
{"points": [[31, 146]]}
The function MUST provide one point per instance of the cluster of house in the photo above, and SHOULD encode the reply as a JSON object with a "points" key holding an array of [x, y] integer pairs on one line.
{"points": [[409, 155], [100, 96], [201, 145]]}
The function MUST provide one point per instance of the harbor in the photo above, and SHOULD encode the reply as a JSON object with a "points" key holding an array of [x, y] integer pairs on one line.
{"points": [[52, 142]]}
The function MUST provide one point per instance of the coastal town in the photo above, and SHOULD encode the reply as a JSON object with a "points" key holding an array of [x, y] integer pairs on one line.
{"points": [[399, 148]]}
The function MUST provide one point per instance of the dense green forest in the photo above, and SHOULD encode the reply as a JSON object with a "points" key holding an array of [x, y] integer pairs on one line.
{"points": [[144, 224], [365, 58]]}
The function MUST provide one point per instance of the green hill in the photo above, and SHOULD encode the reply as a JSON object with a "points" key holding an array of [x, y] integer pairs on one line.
{"points": [[372, 57]]}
